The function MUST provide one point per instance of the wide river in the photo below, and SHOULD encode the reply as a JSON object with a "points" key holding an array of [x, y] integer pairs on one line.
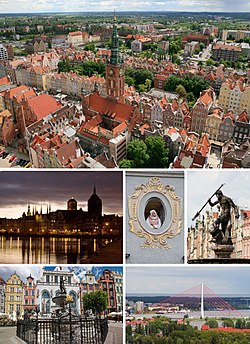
{"points": [[51, 250]]}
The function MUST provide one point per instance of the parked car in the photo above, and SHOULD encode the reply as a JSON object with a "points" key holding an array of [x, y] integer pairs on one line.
{"points": [[19, 161], [12, 158], [23, 163], [5, 154], [27, 165]]}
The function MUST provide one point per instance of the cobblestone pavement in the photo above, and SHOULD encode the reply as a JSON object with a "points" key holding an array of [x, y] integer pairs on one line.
{"points": [[6, 333], [115, 335]]}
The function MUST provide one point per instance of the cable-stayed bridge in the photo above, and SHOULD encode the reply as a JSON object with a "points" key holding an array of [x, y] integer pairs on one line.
{"points": [[202, 298]]}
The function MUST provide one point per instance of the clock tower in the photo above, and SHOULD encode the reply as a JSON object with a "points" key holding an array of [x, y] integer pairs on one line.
{"points": [[115, 69]]}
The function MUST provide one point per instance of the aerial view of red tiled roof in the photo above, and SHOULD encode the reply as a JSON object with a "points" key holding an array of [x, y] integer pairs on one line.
{"points": [[229, 114], [206, 99], [26, 94], [243, 117], [118, 111], [43, 105], [175, 105], [160, 77], [3, 114], [91, 124], [204, 145], [144, 127], [226, 47], [172, 131], [13, 91], [119, 129], [67, 152], [75, 33], [226, 329], [5, 80]]}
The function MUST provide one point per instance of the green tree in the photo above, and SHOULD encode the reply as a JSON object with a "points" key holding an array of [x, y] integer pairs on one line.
{"points": [[158, 154], [240, 323], [97, 301], [125, 163], [212, 323], [137, 152], [181, 91], [129, 80], [228, 323], [64, 66], [148, 83]]}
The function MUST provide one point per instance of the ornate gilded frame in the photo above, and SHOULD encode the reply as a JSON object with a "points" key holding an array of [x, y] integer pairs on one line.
{"points": [[171, 226]]}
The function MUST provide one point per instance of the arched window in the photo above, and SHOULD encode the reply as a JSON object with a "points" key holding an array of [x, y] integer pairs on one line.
{"points": [[45, 302]]}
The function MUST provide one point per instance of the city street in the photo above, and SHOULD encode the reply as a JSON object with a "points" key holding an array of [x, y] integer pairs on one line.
{"points": [[4, 163], [6, 333], [115, 335]]}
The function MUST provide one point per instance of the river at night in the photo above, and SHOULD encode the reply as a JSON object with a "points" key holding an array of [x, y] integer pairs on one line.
{"points": [[50, 250]]}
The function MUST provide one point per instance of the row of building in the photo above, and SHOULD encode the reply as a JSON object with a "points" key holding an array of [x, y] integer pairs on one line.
{"points": [[97, 135], [67, 222], [18, 297], [199, 243]]}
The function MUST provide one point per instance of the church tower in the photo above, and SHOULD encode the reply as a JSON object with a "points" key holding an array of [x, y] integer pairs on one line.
{"points": [[115, 69], [72, 204], [95, 205]]}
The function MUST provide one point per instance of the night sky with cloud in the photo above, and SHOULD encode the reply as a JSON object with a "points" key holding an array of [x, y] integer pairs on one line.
{"points": [[40, 188]]}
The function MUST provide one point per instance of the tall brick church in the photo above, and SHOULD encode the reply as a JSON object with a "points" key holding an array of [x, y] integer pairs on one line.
{"points": [[115, 69], [109, 121]]}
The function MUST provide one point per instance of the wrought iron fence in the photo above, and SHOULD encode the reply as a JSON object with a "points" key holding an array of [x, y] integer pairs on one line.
{"points": [[68, 329]]}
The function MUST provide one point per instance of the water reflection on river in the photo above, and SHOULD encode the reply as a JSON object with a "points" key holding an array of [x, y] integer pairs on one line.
{"points": [[41, 250]]}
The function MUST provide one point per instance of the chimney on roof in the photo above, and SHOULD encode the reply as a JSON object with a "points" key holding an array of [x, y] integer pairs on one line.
{"points": [[78, 153]]}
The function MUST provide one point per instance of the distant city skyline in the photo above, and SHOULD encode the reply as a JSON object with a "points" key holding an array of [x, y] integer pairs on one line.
{"points": [[18, 189], [173, 280], [36, 6]]}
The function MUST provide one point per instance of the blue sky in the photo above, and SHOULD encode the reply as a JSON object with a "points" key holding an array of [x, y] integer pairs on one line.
{"points": [[222, 280], [29, 6], [24, 271]]}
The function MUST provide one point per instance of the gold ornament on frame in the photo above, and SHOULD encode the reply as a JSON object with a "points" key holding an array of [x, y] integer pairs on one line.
{"points": [[155, 213]]}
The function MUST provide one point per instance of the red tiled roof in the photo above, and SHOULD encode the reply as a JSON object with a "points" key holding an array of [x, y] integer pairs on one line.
{"points": [[13, 91], [5, 80], [43, 105], [242, 117], [175, 105], [118, 111], [226, 329], [27, 94], [205, 99], [226, 47], [119, 129], [160, 77], [143, 127], [75, 33]]}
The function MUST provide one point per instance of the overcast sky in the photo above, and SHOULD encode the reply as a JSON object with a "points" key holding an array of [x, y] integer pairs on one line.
{"points": [[202, 184], [175, 280], [29, 6], [17, 189]]}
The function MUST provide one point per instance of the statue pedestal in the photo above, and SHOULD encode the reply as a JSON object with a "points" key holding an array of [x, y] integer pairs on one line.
{"points": [[223, 251]]}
